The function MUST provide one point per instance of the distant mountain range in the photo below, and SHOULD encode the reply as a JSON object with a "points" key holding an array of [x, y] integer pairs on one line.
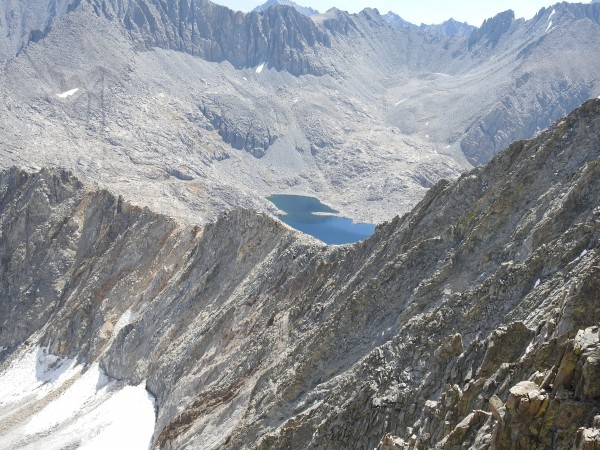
{"points": [[450, 27], [307, 11]]}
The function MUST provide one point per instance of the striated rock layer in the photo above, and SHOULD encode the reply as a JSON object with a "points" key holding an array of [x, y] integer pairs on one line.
{"points": [[470, 322]]}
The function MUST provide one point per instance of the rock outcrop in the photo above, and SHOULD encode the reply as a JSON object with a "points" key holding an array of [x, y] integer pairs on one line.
{"points": [[239, 127], [492, 30]]}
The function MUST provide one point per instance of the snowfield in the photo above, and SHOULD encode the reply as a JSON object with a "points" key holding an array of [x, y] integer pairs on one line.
{"points": [[53, 403]]}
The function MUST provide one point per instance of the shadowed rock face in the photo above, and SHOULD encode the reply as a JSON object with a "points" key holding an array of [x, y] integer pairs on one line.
{"points": [[25, 21], [459, 322], [279, 37], [492, 29]]}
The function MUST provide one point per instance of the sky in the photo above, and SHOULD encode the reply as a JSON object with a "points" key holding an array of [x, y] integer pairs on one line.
{"points": [[421, 11]]}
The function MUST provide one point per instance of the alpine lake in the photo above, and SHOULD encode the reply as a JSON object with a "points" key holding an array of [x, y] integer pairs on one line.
{"points": [[310, 216]]}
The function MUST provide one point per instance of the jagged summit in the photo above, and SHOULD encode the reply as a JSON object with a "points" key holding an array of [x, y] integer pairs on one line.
{"points": [[307, 11], [448, 28], [492, 29], [198, 27], [396, 21]]}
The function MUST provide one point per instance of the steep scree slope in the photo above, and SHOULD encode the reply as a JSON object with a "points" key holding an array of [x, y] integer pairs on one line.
{"points": [[473, 319]]}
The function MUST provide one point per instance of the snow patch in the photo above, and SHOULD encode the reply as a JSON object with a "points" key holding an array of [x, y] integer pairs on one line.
{"points": [[95, 408], [401, 101], [60, 405], [537, 283], [551, 14], [548, 27], [71, 401], [34, 373], [260, 68], [583, 253], [67, 93], [127, 420]]}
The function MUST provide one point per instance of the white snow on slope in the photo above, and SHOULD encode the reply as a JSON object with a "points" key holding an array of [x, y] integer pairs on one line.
{"points": [[583, 253], [260, 68], [94, 407], [551, 14], [549, 27], [34, 374], [67, 93], [401, 101], [76, 408], [126, 318], [72, 400]]}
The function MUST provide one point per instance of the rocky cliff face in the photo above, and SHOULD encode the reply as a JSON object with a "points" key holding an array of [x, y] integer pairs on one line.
{"points": [[472, 320], [279, 37], [24, 21], [492, 29], [530, 42]]}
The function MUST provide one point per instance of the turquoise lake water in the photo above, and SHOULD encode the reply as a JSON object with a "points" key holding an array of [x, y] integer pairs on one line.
{"points": [[330, 229]]}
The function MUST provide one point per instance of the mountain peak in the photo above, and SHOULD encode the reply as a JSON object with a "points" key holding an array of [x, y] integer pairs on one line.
{"points": [[448, 28], [493, 28], [305, 10], [396, 21]]}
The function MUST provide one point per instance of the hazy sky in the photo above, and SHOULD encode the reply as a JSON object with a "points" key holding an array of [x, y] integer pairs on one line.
{"points": [[427, 11]]}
